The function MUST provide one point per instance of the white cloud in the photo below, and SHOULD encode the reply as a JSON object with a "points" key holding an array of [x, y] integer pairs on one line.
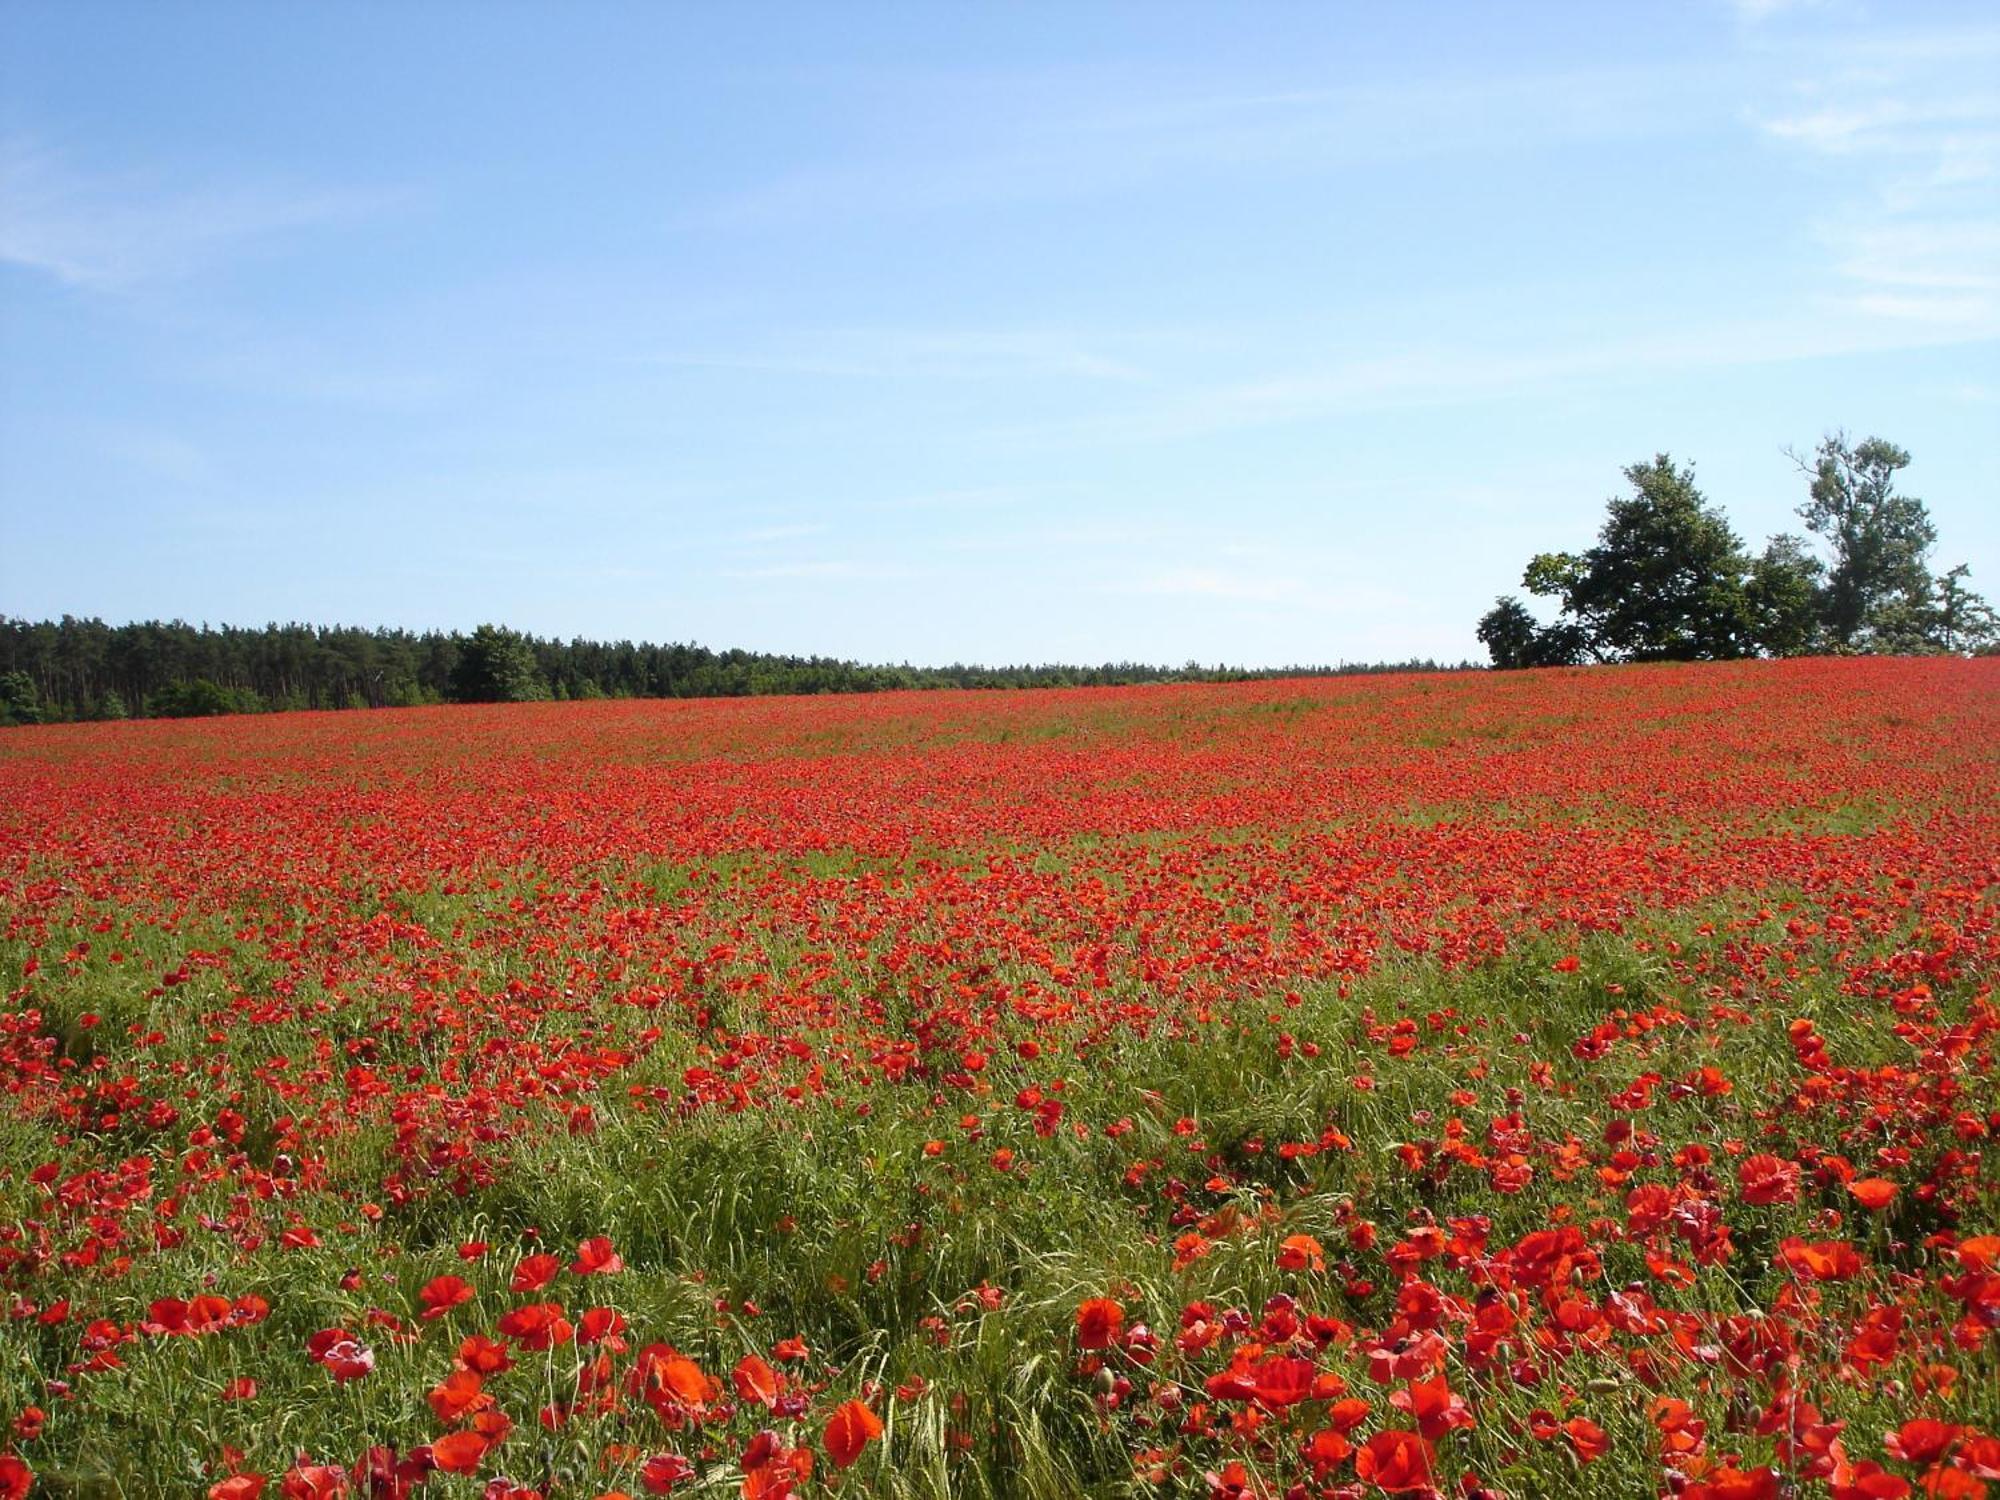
{"points": [[1913, 126], [829, 568], [1754, 11], [760, 535], [1443, 376], [922, 354], [1209, 583], [1139, 125], [111, 232]]}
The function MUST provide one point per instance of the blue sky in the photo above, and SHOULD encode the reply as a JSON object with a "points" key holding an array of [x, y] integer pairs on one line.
{"points": [[1255, 334]]}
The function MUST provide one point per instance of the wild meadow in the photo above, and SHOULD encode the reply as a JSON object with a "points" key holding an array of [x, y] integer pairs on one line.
{"points": [[1576, 1082]]}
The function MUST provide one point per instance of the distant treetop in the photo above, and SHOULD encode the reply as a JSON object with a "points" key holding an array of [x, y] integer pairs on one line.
{"points": [[1669, 580]]}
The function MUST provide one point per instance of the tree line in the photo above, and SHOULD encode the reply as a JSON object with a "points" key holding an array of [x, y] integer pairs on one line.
{"points": [[1669, 579], [72, 669]]}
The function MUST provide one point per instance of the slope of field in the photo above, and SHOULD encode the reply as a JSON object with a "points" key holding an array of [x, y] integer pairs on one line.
{"points": [[1557, 1083]]}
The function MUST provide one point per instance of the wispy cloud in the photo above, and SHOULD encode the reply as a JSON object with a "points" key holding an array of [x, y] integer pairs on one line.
{"points": [[758, 536], [1139, 126], [1754, 11], [921, 354], [824, 568], [1914, 130], [1415, 379], [1211, 583], [112, 231], [310, 373]]}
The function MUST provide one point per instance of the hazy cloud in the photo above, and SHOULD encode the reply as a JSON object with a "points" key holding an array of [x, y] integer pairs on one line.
{"points": [[1915, 128], [113, 231]]}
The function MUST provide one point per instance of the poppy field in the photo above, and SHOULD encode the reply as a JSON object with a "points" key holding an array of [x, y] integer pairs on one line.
{"points": [[1563, 1083]]}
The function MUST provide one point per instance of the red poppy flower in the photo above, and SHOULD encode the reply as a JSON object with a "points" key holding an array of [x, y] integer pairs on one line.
{"points": [[1764, 1178], [1827, 1260], [682, 1379], [1732, 1483], [1097, 1323], [595, 1257], [1873, 1193], [757, 1381], [458, 1394], [1920, 1440], [1395, 1461], [1587, 1438], [536, 1325], [304, 1481], [1299, 1252], [341, 1353], [662, 1472], [441, 1294], [535, 1272], [460, 1453], [850, 1429]]}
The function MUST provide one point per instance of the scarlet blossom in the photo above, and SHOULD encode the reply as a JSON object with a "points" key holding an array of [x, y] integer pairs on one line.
{"points": [[1587, 1438], [1395, 1461], [772, 1471], [595, 1257], [1348, 1414], [341, 1353], [459, 1453], [458, 1394], [850, 1429], [381, 1475], [1764, 1178], [600, 1325], [477, 1352], [1873, 1193], [663, 1472], [1299, 1251], [248, 1309], [1826, 1260], [1097, 1323], [1326, 1449], [16, 1478], [203, 1314], [304, 1481], [1978, 1454], [535, 1272], [1920, 1440], [1433, 1406], [536, 1325], [442, 1293], [1281, 1381], [682, 1380], [1981, 1253], [237, 1487], [1866, 1480], [1732, 1483], [757, 1381]]}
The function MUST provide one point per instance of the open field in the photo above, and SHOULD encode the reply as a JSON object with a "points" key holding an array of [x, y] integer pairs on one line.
{"points": [[1563, 1083]]}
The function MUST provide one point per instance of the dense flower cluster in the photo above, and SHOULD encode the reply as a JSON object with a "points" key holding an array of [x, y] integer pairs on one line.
{"points": [[1568, 1082]]}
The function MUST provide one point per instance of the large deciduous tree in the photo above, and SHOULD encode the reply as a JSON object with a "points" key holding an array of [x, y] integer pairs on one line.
{"points": [[1669, 581], [1665, 582], [1878, 588]]}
